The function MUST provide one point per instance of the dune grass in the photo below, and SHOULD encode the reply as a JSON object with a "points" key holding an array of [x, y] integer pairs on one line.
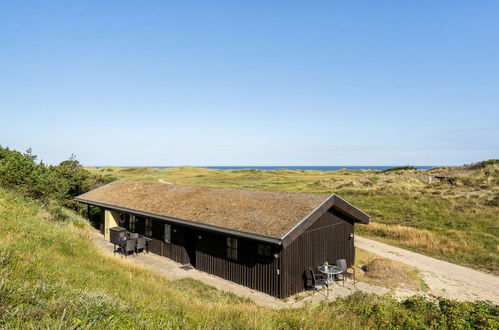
{"points": [[52, 276], [386, 273], [454, 217]]}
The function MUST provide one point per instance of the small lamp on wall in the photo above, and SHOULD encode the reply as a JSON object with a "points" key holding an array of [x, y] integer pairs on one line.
{"points": [[350, 236]]}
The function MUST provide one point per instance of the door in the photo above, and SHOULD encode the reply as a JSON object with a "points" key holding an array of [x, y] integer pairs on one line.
{"points": [[154, 230], [190, 246], [167, 240]]}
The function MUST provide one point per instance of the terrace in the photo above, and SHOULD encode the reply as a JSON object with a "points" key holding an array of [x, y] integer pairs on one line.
{"points": [[176, 271]]}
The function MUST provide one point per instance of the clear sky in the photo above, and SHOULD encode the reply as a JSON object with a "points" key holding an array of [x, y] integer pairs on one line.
{"points": [[251, 82]]}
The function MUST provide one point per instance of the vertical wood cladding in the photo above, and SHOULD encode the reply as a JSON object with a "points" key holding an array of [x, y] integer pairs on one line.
{"points": [[250, 269], [177, 247], [174, 250], [327, 239]]}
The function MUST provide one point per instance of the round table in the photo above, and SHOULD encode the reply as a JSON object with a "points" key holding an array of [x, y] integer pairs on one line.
{"points": [[331, 271]]}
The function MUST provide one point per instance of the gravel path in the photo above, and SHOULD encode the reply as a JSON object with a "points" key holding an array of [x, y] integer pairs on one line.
{"points": [[443, 278]]}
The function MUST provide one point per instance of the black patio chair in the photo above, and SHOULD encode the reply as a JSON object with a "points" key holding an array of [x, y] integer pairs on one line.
{"points": [[342, 263], [319, 279], [128, 246], [121, 243], [141, 245]]}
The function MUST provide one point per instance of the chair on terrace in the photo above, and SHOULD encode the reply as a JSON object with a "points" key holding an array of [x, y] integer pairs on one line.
{"points": [[141, 245], [342, 263], [128, 246], [319, 280]]}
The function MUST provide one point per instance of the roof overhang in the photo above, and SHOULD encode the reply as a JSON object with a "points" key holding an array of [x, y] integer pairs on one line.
{"points": [[187, 223], [332, 202]]}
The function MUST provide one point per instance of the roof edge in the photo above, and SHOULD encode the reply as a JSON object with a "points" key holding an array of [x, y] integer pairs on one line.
{"points": [[351, 210], [332, 201], [266, 239], [99, 187], [293, 232]]}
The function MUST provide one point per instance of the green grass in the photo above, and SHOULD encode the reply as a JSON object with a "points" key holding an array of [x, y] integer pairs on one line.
{"points": [[52, 276], [455, 217]]}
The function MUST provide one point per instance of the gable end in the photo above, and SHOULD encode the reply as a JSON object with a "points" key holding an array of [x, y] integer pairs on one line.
{"points": [[332, 201]]}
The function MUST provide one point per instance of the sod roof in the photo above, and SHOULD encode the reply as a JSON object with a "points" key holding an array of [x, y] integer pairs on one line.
{"points": [[264, 213]]}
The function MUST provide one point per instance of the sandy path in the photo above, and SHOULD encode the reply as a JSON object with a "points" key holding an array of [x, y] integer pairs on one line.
{"points": [[443, 278]]}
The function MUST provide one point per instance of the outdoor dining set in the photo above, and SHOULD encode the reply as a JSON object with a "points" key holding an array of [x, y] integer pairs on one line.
{"points": [[328, 274], [126, 242]]}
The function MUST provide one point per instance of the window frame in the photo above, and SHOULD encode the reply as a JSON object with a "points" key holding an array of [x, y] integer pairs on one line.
{"points": [[232, 246], [148, 227], [131, 223], [169, 239], [264, 251]]}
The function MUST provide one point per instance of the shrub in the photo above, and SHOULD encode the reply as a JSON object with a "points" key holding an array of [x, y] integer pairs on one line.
{"points": [[482, 164], [400, 168], [59, 183]]}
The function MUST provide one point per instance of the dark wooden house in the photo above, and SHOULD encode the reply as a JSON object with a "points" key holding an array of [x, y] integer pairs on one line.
{"points": [[260, 239]]}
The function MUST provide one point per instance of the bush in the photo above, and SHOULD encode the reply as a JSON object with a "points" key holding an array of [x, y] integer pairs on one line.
{"points": [[400, 168], [59, 183], [482, 164]]}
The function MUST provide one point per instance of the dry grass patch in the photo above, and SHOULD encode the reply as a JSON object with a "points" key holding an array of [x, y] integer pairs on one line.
{"points": [[414, 237], [387, 273], [392, 273]]}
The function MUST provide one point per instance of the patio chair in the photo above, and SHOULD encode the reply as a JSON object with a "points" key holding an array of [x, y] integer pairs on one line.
{"points": [[133, 235], [129, 246], [141, 245], [342, 263], [319, 279], [121, 243]]}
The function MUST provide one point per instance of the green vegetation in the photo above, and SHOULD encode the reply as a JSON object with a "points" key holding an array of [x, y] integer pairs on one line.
{"points": [[52, 276], [454, 217], [483, 164], [400, 168], [57, 184]]}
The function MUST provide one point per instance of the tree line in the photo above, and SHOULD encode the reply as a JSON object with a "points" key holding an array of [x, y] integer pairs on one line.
{"points": [[48, 183]]}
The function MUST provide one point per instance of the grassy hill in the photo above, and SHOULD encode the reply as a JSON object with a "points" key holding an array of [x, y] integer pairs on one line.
{"points": [[51, 275], [455, 217]]}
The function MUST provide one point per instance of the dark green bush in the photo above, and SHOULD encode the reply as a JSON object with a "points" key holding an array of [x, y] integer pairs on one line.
{"points": [[59, 183], [400, 168]]}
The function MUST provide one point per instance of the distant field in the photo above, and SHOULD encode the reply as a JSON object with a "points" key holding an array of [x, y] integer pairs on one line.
{"points": [[455, 217]]}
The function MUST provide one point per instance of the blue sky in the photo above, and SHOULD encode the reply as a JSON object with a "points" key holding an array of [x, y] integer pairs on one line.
{"points": [[251, 82]]}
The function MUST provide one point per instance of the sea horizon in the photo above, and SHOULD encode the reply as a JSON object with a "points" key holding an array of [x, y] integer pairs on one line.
{"points": [[284, 167]]}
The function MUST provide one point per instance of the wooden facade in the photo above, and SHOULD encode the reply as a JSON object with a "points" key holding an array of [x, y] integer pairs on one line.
{"points": [[328, 239], [273, 269], [266, 248]]}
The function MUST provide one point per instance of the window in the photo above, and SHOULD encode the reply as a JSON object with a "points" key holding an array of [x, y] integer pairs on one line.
{"points": [[231, 248], [168, 233], [122, 219], [264, 250], [148, 230], [132, 224]]}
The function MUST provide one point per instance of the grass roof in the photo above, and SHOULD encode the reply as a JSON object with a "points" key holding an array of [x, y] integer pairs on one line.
{"points": [[263, 213]]}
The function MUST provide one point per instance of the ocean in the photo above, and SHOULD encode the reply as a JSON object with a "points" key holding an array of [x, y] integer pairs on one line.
{"points": [[318, 168]]}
